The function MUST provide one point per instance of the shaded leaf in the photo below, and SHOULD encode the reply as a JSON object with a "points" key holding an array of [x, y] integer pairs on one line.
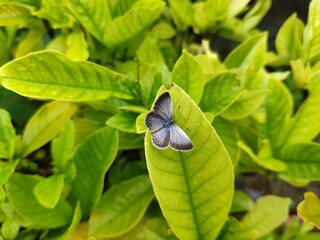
{"points": [[92, 159], [220, 92], [93, 15], [20, 194], [200, 181], [121, 208], [141, 15], [268, 213], [241, 202], [45, 124], [236, 230], [302, 160], [125, 122], [7, 136], [188, 75], [48, 191]]}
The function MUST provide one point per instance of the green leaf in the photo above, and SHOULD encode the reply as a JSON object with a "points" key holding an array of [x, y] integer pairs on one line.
{"points": [[92, 159], [229, 137], [236, 7], [150, 53], [268, 213], [140, 123], [141, 15], [7, 136], [56, 13], [48, 191], [182, 13], [45, 124], [220, 92], [188, 75], [9, 229], [234, 229], [246, 104], [63, 234], [93, 15], [14, 14], [49, 74], [77, 46], [302, 160], [32, 42], [309, 209], [125, 122], [306, 125], [121, 208], [248, 57], [62, 147], [210, 66], [289, 38], [278, 108], [20, 194], [265, 160], [312, 32], [241, 202], [216, 10], [200, 181], [129, 141]]}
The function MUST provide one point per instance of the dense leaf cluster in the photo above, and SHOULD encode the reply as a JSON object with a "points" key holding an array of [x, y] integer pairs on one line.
{"points": [[79, 77]]}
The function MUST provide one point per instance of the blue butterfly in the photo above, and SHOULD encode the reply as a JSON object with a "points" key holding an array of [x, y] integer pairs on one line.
{"points": [[164, 131]]}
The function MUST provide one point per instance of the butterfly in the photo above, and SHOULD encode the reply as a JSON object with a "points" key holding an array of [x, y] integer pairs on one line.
{"points": [[163, 129]]}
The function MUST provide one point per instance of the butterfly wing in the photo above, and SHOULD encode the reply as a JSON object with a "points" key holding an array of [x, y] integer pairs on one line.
{"points": [[154, 121], [163, 106], [161, 137], [179, 140]]}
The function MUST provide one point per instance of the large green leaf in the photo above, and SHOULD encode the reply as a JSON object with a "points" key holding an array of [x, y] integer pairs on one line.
{"points": [[92, 159], [94, 15], [49, 74], [289, 38], [220, 92], [46, 123], [247, 103], [248, 57], [268, 213], [195, 188], [142, 14], [188, 75], [7, 136], [312, 32], [6, 170], [302, 159], [305, 124], [309, 208], [121, 208], [20, 193]]}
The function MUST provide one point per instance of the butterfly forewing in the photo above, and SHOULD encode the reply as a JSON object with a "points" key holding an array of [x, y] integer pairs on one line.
{"points": [[161, 137], [153, 121], [163, 107], [179, 140]]}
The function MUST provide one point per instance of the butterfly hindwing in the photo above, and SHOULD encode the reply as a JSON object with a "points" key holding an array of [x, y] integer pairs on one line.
{"points": [[179, 140], [161, 137]]}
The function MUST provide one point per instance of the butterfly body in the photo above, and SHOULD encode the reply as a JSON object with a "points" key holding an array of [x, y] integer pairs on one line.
{"points": [[163, 129]]}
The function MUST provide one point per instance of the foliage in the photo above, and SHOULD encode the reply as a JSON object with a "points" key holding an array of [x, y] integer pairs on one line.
{"points": [[78, 78]]}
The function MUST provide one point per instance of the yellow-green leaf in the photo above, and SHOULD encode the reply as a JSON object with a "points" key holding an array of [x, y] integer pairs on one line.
{"points": [[195, 188], [309, 208]]}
